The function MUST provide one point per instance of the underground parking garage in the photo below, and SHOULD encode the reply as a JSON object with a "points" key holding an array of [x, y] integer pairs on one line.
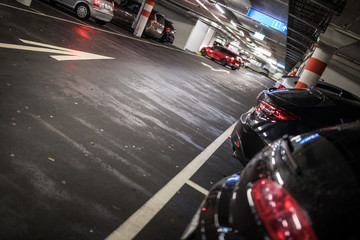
{"points": [[111, 132]]}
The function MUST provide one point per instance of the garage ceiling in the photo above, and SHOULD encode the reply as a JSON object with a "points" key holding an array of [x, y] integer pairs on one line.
{"points": [[306, 18]]}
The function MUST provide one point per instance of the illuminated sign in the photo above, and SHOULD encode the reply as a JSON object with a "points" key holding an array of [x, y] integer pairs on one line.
{"points": [[259, 35], [265, 19]]}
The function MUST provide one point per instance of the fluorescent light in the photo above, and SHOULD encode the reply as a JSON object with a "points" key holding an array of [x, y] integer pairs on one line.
{"points": [[233, 23], [219, 8], [259, 35], [201, 4], [280, 65], [248, 39], [264, 51]]}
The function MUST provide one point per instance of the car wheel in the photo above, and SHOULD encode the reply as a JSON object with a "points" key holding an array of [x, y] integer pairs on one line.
{"points": [[100, 22], [223, 62], [82, 11], [203, 52]]}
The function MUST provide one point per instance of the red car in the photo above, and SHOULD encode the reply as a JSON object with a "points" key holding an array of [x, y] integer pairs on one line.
{"points": [[223, 55]]}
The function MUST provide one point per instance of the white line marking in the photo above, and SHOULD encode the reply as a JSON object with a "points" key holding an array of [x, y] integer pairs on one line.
{"points": [[78, 20], [213, 69], [68, 54], [197, 187], [138, 220]]}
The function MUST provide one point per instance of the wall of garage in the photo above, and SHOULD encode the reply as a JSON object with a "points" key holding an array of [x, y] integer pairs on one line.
{"points": [[343, 73], [183, 24]]}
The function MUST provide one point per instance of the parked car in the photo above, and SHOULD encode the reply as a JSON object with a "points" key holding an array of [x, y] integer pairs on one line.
{"points": [[302, 187], [100, 10], [222, 55], [155, 25], [169, 32], [125, 12], [290, 111], [246, 63]]}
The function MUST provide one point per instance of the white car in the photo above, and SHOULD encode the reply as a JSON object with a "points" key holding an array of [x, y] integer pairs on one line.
{"points": [[100, 10]]}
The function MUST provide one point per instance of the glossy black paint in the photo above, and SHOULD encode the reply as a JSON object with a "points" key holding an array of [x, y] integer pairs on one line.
{"points": [[319, 169], [315, 108], [168, 35]]}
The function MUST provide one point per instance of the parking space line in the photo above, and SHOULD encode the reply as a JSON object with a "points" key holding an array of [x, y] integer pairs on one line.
{"points": [[59, 12], [197, 187], [98, 29], [138, 220]]}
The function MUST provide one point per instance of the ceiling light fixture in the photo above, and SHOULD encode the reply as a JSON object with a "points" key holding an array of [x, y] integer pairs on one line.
{"points": [[201, 4], [248, 39], [259, 36], [219, 8], [233, 23]]}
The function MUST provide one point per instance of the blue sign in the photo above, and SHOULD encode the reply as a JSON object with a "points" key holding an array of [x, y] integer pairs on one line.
{"points": [[265, 19]]}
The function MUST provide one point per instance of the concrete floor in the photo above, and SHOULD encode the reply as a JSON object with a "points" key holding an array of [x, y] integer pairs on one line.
{"points": [[85, 143]]}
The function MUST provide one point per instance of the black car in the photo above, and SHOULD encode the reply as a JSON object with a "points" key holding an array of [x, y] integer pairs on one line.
{"points": [[168, 33], [302, 187], [292, 112]]}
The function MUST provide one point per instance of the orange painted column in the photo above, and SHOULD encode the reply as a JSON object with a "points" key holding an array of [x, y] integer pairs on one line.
{"points": [[315, 67], [145, 13]]}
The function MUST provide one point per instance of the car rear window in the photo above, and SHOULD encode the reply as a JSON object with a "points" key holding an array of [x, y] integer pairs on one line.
{"points": [[160, 19], [303, 97]]}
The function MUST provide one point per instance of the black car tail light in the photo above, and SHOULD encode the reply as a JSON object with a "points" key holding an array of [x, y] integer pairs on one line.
{"points": [[276, 113], [280, 213], [167, 29], [97, 3], [281, 87]]}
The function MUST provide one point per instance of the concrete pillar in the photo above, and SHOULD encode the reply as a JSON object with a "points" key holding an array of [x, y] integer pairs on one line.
{"points": [[316, 66], [197, 36], [145, 13]]}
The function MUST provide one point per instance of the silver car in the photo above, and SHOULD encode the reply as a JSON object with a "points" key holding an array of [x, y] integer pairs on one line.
{"points": [[155, 26], [100, 10]]}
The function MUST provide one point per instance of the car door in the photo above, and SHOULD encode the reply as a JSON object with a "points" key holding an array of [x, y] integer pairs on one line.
{"points": [[215, 52]]}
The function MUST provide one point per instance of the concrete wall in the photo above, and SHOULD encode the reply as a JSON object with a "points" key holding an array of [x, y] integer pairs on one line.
{"points": [[344, 74], [182, 24]]}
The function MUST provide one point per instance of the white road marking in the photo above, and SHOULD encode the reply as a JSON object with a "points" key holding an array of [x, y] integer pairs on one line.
{"points": [[215, 70], [68, 54], [138, 220], [197, 187], [59, 12]]}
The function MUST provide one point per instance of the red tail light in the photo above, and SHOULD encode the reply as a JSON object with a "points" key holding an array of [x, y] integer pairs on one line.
{"points": [[152, 21], [281, 87], [167, 29], [113, 4], [97, 3], [276, 113], [280, 213]]}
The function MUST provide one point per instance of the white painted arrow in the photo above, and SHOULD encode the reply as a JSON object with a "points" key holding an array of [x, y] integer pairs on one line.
{"points": [[67, 54]]}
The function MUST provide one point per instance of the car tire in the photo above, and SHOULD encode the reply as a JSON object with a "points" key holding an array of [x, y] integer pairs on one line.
{"points": [[233, 68], [203, 52], [82, 11], [223, 62], [100, 22]]}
